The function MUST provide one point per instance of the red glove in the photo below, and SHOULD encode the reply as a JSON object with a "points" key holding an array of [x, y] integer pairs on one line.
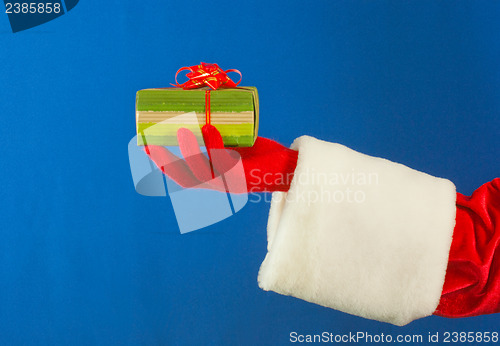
{"points": [[268, 166]]}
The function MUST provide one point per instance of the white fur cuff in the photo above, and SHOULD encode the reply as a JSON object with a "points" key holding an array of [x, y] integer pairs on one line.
{"points": [[360, 234]]}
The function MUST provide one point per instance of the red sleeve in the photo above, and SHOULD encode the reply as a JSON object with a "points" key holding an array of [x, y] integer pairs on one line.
{"points": [[472, 283]]}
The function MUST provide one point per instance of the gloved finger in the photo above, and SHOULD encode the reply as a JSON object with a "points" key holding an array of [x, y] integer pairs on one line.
{"points": [[172, 166], [212, 137], [195, 159], [222, 159]]}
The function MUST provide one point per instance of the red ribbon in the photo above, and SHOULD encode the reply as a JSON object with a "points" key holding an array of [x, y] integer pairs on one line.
{"points": [[210, 75], [204, 74]]}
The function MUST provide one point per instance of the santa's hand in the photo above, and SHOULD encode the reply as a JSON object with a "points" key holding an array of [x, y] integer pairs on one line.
{"points": [[268, 166], [405, 220]]}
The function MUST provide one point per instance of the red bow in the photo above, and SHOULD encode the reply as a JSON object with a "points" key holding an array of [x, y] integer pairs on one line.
{"points": [[210, 75]]}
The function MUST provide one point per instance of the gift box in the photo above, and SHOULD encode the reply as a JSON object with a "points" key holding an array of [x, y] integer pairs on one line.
{"points": [[234, 111]]}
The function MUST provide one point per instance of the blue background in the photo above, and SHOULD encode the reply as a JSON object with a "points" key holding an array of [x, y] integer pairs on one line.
{"points": [[84, 259]]}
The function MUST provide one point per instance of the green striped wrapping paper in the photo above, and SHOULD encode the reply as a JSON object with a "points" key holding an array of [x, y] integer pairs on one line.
{"points": [[161, 112]]}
